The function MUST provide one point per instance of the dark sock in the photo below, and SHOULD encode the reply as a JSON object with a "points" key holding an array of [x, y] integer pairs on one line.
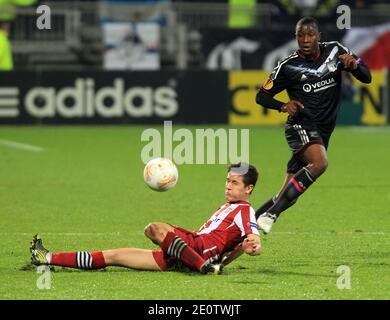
{"points": [[176, 247], [265, 206], [297, 185]]}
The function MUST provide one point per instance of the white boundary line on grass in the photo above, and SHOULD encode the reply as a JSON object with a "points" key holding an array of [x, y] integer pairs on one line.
{"points": [[61, 233], [373, 233], [22, 146]]}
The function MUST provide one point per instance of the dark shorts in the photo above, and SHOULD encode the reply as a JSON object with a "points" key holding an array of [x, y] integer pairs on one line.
{"points": [[299, 137], [206, 248]]}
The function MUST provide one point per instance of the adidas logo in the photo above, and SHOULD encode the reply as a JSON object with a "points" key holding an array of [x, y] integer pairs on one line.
{"points": [[9, 102]]}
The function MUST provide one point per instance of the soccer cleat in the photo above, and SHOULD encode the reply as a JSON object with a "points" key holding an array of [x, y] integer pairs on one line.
{"points": [[208, 267], [38, 252], [265, 222]]}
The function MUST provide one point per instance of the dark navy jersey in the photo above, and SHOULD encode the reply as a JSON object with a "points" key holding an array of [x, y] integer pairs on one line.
{"points": [[315, 83]]}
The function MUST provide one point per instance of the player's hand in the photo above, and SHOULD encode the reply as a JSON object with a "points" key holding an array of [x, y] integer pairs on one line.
{"points": [[292, 106], [251, 247], [348, 61]]}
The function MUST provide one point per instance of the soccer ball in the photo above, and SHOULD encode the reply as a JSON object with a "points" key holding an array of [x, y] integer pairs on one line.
{"points": [[161, 174]]}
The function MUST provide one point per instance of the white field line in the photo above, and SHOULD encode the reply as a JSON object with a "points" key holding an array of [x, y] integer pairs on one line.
{"points": [[22, 146], [72, 234], [372, 233]]}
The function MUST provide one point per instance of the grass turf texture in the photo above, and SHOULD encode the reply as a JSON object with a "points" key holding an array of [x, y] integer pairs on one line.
{"points": [[85, 191]]}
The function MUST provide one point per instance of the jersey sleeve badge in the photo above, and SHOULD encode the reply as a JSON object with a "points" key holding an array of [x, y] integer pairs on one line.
{"points": [[268, 84]]}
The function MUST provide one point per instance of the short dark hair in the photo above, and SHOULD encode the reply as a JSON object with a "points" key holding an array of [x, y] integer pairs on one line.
{"points": [[307, 20], [248, 171]]}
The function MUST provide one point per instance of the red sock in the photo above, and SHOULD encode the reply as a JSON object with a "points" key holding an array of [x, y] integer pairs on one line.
{"points": [[176, 247], [79, 259]]}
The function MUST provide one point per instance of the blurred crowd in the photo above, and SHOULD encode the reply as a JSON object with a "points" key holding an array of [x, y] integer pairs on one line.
{"points": [[242, 14]]}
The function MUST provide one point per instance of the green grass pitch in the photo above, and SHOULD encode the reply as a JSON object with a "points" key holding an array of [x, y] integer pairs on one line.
{"points": [[85, 191]]}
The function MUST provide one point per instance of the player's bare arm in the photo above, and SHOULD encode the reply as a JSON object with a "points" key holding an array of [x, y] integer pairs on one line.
{"points": [[251, 245], [233, 255]]}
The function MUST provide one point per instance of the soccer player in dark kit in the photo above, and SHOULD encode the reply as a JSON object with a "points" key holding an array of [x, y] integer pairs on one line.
{"points": [[312, 78]]}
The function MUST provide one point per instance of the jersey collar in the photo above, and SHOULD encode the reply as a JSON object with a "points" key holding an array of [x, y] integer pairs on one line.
{"points": [[239, 202]]}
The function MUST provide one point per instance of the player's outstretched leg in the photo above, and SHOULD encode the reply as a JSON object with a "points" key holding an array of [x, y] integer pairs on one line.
{"points": [[210, 268], [315, 156], [39, 254], [80, 259], [265, 206], [176, 247], [296, 186], [268, 204], [163, 234]]}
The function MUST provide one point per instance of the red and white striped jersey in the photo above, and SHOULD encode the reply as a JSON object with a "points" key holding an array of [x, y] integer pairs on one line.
{"points": [[229, 225]]}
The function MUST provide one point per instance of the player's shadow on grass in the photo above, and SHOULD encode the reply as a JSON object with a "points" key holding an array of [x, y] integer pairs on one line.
{"points": [[291, 273], [369, 259], [31, 267]]}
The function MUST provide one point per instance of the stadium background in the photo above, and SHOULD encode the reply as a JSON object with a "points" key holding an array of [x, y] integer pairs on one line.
{"points": [[197, 64]]}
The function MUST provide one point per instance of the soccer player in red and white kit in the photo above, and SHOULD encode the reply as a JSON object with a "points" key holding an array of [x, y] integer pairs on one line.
{"points": [[230, 231]]}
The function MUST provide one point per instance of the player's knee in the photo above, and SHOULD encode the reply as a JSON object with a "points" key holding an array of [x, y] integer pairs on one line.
{"points": [[323, 165], [150, 230], [110, 257], [319, 167], [154, 232]]}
